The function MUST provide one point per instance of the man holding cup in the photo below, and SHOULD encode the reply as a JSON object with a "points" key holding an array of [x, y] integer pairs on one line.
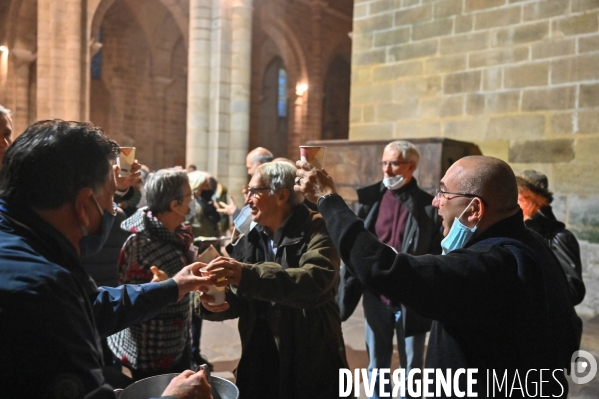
{"points": [[283, 277]]}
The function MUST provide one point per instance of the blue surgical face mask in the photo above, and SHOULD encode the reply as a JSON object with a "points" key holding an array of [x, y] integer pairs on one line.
{"points": [[243, 222], [91, 244], [458, 235], [394, 182]]}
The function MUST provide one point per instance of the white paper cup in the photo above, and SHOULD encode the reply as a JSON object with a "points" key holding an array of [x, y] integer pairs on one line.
{"points": [[125, 160], [217, 292], [313, 154]]}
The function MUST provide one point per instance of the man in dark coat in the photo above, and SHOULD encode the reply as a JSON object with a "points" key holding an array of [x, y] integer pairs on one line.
{"points": [[402, 216], [56, 204], [498, 297], [535, 198], [284, 275]]}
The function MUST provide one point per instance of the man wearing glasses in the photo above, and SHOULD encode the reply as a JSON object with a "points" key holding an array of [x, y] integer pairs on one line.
{"points": [[283, 276], [401, 215], [498, 296]]}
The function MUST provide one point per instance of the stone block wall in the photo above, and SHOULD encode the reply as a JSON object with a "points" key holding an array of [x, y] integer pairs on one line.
{"points": [[519, 78]]}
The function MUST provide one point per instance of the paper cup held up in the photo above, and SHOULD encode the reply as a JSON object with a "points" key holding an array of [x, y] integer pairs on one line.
{"points": [[314, 155], [125, 160]]}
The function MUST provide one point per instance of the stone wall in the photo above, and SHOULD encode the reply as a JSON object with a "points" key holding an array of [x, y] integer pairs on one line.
{"points": [[519, 78]]}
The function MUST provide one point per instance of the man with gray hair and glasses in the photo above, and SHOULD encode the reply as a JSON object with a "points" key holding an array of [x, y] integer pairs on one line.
{"points": [[5, 132], [283, 277], [402, 216]]}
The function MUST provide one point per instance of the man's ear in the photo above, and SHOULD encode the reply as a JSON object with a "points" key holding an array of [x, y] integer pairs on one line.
{"points": [[283, 195], [478, 210], [83, 206], [412, 166]]}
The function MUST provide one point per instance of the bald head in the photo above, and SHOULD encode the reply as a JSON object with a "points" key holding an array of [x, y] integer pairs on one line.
{"points": [[490, 178], [257, 157]]}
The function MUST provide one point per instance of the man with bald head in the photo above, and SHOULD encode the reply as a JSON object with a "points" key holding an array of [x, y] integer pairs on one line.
{"points": [[497, 295], [257, 157]]}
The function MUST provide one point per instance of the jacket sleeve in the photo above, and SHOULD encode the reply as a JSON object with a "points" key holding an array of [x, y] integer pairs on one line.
{"points": [[566, 248], [437, 287], [117, 308], [309, 285]]}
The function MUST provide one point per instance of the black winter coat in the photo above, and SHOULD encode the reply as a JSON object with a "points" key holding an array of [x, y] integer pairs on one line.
{"points": [[497, 306], [565, 247]]}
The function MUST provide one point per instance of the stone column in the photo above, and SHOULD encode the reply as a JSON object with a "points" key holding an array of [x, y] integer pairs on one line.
{"points": [[313, 126], [220, 90], [198, 86], [22, 60], [59, 76], [241, 60]]}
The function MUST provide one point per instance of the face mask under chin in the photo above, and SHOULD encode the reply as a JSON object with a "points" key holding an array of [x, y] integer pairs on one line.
{"points": [[394, 182], [458, 235]]}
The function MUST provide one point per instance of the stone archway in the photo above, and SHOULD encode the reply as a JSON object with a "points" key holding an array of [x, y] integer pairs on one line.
{"points": [[280, 40], [135, 97]]}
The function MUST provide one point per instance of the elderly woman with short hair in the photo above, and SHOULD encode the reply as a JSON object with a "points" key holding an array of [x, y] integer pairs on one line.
{"points": [[159, 345]]}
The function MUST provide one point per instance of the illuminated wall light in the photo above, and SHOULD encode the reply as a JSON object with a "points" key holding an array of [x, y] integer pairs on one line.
{"points": [[3, 49], [301, 88]]}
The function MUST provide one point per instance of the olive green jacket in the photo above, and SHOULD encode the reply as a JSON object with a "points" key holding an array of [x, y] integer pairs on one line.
{"points": [[304, 318]]}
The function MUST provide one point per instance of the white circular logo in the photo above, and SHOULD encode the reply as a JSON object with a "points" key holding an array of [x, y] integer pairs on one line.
{"points": [[583, 367]]}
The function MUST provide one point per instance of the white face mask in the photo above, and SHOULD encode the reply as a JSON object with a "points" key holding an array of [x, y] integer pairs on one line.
{"points": [[243, 222], [192, 211], [394, 182], [458, 235]]}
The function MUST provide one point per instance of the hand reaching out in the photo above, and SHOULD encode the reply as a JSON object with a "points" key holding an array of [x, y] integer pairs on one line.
{"points": [[159, 275], [223, 207]]}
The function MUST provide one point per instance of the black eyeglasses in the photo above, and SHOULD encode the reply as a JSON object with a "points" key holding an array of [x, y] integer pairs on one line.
{"points": [[393, 163], [253, 191], [444, 194]]}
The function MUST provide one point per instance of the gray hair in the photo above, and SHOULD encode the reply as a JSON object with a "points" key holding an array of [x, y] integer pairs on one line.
{"points": [[407, 150], [164, 186], [278, 175], [4, 111]]}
